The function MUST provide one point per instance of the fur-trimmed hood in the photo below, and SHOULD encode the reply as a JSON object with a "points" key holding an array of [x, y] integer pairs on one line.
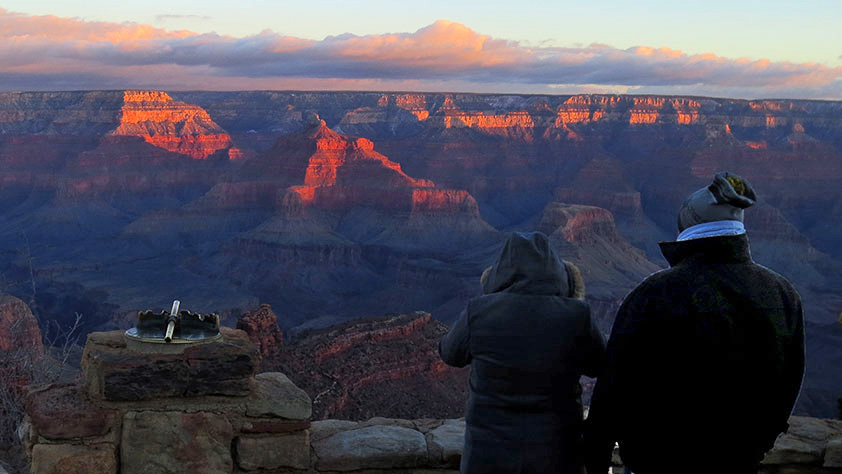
{"points": [[527, 264]]}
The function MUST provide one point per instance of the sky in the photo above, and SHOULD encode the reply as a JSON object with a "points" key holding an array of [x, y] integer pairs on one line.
{"points": [[738, 48]]}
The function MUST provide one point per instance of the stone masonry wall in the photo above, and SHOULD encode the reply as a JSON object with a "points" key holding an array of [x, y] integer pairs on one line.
{"points": [[202, 410]]}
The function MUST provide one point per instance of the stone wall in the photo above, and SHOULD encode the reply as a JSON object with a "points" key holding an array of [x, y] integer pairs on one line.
{"points": [[202, 410], [173, 408]]}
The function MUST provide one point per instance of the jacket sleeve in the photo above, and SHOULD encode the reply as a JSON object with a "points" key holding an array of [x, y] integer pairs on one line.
{"points": [[627, 336], [593, 343], [792, 374], [454, 347]]}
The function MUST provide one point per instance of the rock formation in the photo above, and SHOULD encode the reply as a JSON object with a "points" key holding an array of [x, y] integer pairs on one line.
{"points": [[172, 125], [152, 115], [20, 345], [385, 366], [18, 327], [261, 325], [611, 266]]}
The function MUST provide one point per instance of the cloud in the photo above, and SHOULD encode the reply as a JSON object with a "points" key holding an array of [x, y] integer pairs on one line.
{"points": [[51, 52], [167, 17]]}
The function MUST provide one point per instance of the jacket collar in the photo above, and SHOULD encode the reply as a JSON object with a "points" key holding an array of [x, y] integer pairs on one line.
{"points": [[722, 249]]}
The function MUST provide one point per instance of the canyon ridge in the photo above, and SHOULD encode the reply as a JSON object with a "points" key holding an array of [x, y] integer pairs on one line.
{"points": [[336, 206]]}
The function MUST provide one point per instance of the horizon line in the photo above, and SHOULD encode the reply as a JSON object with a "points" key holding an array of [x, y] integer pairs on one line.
{"points": [[371, 91]]}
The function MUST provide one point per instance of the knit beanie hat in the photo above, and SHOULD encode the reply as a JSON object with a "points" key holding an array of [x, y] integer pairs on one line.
{"points": [[723, 200]]}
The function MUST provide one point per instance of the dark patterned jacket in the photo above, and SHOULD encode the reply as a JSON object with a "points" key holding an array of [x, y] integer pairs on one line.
{"points": [[707, 356]]}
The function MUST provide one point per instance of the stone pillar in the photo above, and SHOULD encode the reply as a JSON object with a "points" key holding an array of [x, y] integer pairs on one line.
{"points": [[174, 408]]}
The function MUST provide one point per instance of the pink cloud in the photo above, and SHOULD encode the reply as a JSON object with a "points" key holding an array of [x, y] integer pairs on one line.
{"points": [[54, 52], [70, 29]]}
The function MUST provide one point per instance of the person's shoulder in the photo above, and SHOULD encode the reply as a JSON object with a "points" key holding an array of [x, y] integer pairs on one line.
{"points": [[478, 304], [657, 287], [663, 278], [574, 306], [773, 278], [769, 273]]}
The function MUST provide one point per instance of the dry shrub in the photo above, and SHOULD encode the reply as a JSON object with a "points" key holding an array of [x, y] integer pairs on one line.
{"points": [[28, 366]]}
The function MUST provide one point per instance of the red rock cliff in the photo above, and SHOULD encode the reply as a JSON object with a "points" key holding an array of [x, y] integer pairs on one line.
{"points": [[261, 325], [443, 201], [385, 366], [578, 223], [513, 124], [343, 172], [169, 124]]}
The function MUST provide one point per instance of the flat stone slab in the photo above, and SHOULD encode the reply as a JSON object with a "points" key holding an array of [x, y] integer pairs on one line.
{"points": [[175, 443], [247, 425], [64, 412], [816, 429], [322, 429], [447, 442], [116, 372], [372, 447], [272, 452], [833, 453], [792, 450], [804, 442], [276, 396], [73, 459]]}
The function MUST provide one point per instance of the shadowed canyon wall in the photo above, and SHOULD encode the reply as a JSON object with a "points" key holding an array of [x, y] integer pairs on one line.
{"points": [[333, 206]]}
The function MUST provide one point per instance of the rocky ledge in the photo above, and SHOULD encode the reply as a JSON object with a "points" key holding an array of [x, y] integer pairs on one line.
{"points": [[195, 443], [264, 427]]}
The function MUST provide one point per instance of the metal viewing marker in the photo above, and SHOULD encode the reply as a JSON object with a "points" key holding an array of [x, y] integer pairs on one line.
{"points": [[175, 327]]}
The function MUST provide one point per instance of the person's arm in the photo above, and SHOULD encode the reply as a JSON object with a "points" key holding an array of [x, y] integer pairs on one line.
{"points": [[792, 374], [625, 341], [794, 360], [593, 344], [454, 347]]}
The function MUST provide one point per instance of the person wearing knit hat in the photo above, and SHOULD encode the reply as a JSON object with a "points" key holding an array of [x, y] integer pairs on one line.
{"points": [[708, 353], [716, 209]]}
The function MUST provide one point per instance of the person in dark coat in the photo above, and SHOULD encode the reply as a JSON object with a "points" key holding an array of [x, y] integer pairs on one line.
{"points": [[705, 359], [528, 339]]}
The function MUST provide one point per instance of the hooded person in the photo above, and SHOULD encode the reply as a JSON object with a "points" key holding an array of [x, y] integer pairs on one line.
{"points": [[528, 338], [707, 355]]}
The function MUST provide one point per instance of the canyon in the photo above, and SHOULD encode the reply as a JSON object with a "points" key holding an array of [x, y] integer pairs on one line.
{"points": [[336, 206], [384, 366]]}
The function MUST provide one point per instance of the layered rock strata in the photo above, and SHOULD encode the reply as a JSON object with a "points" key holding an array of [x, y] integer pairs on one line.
{"points": [[172, 125], [370, 247], [151, 115], [611, 266], [386, 366]]}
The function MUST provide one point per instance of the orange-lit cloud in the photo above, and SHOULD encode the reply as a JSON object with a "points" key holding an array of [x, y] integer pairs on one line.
{"points": [[49, 52]]}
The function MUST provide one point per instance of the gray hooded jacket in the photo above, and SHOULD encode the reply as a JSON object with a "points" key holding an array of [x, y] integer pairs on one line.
{"points": [[528, 341]]}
